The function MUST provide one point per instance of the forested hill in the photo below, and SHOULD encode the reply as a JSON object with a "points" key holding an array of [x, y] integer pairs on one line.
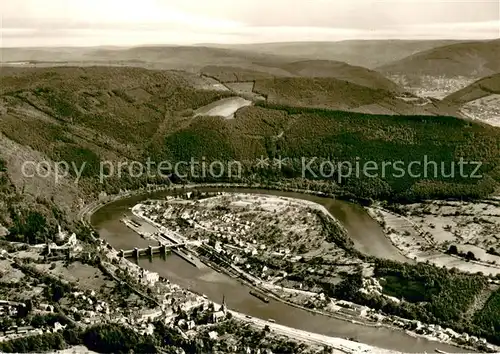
{"points": [[94, 114]]}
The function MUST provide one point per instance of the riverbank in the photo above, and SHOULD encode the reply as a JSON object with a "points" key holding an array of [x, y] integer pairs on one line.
{"points": [[360, 331], [262, 287], [338, 344], [247, 279]]}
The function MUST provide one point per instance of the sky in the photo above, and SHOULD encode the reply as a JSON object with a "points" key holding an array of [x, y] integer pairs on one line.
{"points": [[42, 23]]}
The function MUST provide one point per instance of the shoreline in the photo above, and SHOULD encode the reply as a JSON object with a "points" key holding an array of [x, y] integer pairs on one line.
{"points": [[92, 208], [337, 343]]}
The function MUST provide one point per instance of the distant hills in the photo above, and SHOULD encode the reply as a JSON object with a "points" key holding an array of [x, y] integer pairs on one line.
{"points": [[341, 71], [158, 57], [229, 74], [224, 64], [306, 68], [366, 53], [470, 59]]}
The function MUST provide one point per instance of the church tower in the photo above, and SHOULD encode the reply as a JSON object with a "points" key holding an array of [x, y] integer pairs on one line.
{"points": [[223, 308]]}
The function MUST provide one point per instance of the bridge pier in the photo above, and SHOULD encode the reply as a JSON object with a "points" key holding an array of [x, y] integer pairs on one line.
{"points": [[122, 253], [163, 250], [135, 253], [150, 251]]}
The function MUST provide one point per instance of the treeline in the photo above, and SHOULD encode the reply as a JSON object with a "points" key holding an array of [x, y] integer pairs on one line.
{"points": [[488, 318], [114, 338], [335, 233], [435, 143], [36, 224], [445, 295], [33, 344], [428, 294], [135, 123], [102, 339], [30, 227]]}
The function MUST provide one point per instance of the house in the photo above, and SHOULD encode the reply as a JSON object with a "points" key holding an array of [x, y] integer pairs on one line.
{"points": [[218, 316], [150, 277], [351, 309], [58, 327], [24, 330]]}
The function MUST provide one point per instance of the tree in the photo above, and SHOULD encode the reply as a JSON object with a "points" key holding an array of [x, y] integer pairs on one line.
{"points": [[453, 249], [55, 292], [349, 287], [5, 323], [470, 256], [22, 311]]}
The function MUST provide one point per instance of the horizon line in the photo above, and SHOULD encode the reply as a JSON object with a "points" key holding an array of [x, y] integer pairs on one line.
{"points": [[255, 43]]}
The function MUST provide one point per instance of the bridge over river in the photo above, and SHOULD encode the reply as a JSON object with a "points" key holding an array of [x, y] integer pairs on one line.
{"points": [[149, 251], [162, 249]]}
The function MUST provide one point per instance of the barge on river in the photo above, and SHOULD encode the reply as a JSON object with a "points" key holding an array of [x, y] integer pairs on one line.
{"points": [[259, 296]]}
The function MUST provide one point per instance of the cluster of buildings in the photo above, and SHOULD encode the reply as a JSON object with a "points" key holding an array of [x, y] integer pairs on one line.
{"points": [[9, 308], [89, 307], [447, 334], [17, 332], [372, 286]]}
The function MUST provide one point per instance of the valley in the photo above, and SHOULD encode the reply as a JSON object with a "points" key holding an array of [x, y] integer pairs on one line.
{"points": [[348, 252]]}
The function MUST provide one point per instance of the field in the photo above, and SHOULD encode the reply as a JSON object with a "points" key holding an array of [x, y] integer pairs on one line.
{"points": [[86, 276], [426, 232]]}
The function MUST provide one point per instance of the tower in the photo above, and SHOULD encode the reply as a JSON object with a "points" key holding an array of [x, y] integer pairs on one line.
{"points": [[223, 307]]}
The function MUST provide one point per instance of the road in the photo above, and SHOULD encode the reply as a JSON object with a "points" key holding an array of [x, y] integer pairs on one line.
{"points": [[339, 344]]}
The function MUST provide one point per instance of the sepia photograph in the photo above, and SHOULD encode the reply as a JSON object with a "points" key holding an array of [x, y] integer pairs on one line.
{"points": [[255, 177]]}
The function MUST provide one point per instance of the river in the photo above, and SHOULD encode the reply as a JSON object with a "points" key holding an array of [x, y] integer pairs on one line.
{"points": [[365, 232]]}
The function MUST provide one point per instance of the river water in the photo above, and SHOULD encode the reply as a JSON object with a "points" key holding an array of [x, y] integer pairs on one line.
{"points": [[365, 232]]}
